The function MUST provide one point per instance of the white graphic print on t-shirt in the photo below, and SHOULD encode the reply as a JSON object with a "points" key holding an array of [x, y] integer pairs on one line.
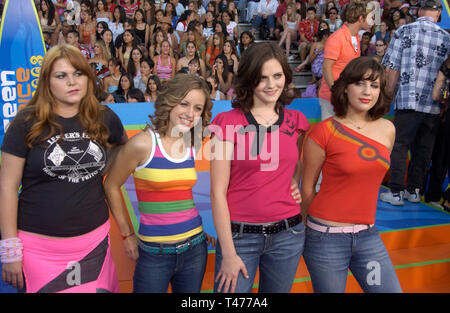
{"points": [[75, 158]]}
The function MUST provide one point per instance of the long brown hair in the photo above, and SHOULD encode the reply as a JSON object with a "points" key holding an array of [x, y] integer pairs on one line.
{"points": [[42, 104]]}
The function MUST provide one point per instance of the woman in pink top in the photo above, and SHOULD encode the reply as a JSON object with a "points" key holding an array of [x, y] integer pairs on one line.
{"points": [[255, 173], [165, 64]]}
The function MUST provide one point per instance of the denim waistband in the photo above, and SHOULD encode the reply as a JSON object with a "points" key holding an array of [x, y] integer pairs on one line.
{"points": [[172, 248]]}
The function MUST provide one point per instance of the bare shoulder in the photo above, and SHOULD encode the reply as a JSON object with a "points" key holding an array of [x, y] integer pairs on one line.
{"points": [[139, 146], [388, 129], [386, 126]]}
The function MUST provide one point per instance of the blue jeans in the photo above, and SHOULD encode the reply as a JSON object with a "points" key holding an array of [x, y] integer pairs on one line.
{"points": [[270, 20], [184, 271], [276, 255], [242, 5], [329, 256]]}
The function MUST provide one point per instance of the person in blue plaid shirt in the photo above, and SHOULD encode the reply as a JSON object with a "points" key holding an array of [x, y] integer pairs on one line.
{"points": [[412, 60]]}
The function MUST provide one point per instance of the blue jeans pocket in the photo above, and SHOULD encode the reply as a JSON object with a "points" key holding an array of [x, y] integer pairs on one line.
{"points": [[314, 235], [298, 229]]}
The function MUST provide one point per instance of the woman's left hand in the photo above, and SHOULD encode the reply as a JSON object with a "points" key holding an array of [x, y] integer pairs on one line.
{"points": [[295, 192]]}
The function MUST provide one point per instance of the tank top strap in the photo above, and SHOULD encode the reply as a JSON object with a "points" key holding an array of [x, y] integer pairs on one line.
{"points": [[193, 153], [152, 152]]}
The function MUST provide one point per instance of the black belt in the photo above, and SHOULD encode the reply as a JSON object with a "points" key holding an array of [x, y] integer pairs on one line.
{"points": [[266, 229]]}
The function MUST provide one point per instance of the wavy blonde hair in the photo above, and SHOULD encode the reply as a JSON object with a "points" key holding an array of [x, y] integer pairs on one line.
{"points": [[172, 93], [41, 106]]}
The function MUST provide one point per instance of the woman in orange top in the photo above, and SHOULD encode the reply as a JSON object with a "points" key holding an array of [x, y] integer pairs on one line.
{"points": [[87, 28], [352, 150], [215, 48]]}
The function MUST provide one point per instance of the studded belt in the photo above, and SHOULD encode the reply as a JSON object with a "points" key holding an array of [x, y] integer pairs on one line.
{"points": [[268, 228]]}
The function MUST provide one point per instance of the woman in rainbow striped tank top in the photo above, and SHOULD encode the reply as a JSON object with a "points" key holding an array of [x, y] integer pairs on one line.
{"points": [[170, 245]]}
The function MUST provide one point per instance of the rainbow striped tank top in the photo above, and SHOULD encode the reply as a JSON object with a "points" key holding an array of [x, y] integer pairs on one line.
{"points": [[164, 193]]}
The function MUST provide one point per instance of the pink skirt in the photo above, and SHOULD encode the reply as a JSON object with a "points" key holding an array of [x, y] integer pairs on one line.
{"points": [[81, 264]]}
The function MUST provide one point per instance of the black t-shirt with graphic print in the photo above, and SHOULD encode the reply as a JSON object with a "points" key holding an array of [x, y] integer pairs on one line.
{"points": [[62, 191]]}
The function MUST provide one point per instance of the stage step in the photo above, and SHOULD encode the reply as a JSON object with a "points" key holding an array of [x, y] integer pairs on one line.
{"points": [[421, 257], [244, 27], [302, 78]]}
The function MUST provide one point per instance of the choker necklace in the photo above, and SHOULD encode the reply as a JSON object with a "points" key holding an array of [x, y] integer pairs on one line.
{"points": [[267, 121]]}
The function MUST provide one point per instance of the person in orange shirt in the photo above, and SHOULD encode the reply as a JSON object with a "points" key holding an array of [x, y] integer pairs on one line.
{"points": [[352, 149], [342, 47]]}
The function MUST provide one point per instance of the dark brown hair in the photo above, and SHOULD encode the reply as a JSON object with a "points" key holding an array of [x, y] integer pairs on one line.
{"points": [[250, 71], [360, 69]]}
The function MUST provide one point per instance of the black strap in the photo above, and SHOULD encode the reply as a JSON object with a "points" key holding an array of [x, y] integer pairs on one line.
{"points": [[267, 229]]}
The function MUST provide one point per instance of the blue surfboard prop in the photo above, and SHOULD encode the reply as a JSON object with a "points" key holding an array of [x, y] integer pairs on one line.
{"points": [[22, 50], [445, 16]]}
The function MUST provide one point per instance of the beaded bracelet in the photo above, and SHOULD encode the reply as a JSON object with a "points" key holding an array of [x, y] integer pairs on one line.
{"points": [[11, 250]]}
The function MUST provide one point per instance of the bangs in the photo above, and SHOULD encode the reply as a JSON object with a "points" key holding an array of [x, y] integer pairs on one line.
{"points": [[79, 62], [73, 55], [370, 71], [372, 76]]}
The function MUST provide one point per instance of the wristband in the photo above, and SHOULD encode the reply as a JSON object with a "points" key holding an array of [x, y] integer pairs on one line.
{"points": [[126, 236], [11, 250]]}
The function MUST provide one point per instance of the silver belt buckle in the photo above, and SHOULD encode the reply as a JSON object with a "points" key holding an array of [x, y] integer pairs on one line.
{"points": [[264, 228], [181, 246]]}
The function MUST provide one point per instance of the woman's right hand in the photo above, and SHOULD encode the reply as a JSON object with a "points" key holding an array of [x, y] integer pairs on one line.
{"points": [[12, 274], [229, 273]]}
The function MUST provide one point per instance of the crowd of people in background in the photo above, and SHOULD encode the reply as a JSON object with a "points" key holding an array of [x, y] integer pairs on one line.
{"points": [[138, 45], [135, 47], [134, 51]]}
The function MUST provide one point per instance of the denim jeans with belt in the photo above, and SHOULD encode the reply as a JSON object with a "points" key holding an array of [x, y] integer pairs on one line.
{"points": [[276, 255], [184, 271], [329, 256]]}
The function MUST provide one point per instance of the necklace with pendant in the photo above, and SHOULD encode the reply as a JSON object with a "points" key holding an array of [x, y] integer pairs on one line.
{"points": [[267, 121], [357, 127]]}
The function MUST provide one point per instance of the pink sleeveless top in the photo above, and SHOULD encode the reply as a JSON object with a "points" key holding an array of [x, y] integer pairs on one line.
{"points": [[164, 72]]}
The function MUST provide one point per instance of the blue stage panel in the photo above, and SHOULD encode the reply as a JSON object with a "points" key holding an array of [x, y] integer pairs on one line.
{"points": [[390, 217]]}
